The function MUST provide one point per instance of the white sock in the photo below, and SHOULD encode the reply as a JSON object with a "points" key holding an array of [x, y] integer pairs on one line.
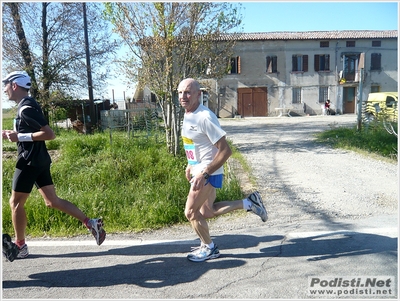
{"points": [[210, 246], [246, 204]]}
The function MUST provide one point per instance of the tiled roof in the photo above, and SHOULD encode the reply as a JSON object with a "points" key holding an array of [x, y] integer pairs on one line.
{"points": [[312, 35]]}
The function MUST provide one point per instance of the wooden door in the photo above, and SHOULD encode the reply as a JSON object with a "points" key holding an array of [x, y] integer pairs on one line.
{"points": [[260, 102], [246, 108], [252, 102], [349, 100]]}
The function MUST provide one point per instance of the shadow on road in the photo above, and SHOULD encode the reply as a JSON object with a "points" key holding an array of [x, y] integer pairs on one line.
{"points": [[328, 246], [163, 271]]}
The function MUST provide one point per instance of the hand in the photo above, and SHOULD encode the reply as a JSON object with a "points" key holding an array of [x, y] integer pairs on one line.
{"points": [[4, 134], [188, 173], [197, 182], [10, 135]]}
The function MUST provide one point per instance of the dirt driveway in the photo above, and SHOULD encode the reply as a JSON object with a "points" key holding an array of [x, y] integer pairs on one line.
{"points": [[303, 180]]}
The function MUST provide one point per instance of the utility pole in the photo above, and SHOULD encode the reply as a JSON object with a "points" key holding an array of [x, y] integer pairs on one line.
{"points": [[359, 121], [93, 117], [360, 88]]}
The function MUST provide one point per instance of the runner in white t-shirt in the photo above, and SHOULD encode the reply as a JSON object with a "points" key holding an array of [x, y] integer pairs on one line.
{"points": [[207, 150]]}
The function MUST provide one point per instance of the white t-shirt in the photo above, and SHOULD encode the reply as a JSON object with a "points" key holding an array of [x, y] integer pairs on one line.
{"points": [[200, 131]]}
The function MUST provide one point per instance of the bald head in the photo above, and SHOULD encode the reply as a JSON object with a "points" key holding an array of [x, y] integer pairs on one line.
{"points": [[189, 94], [190, 82]]}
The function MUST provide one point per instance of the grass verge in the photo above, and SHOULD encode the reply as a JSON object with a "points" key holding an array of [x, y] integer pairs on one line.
{"points": [[133, 184], [372, 140]]}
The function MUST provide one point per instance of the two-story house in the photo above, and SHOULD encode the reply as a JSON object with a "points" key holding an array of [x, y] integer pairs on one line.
{"points": [[274, 71]]}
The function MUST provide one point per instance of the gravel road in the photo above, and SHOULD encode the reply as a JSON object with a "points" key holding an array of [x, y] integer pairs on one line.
{"points": [[302, 179]]}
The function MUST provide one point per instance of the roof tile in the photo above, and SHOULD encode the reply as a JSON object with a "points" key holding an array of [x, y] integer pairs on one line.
{"points": [[312, 35]]}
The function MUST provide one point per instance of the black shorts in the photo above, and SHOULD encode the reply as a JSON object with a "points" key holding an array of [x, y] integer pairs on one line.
{"points": [[25, 178]]}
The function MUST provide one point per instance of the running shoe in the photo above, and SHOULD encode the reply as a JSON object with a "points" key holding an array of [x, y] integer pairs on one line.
{"points": [[257, 205], [203, 253], [96, 227], [23, 252], [10, 249]]}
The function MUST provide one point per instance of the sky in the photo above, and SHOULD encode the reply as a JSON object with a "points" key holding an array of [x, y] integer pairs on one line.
{"points": [[270, 16]]}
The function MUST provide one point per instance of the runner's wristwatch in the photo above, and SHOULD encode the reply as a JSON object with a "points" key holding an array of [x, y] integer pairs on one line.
{"points": [[206, 175]]}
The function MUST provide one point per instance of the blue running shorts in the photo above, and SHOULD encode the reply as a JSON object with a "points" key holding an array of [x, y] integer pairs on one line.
{"points": [[216, 180]]}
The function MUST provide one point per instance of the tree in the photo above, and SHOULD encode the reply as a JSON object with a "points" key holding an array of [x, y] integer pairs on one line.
{"points": [[170, 41], [52, 49]]}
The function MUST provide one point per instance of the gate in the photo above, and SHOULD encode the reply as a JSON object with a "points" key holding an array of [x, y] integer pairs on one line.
{"points": [[252, 102]]}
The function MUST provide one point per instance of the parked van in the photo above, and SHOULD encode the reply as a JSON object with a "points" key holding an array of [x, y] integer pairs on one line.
{"points": [[382, 105]]}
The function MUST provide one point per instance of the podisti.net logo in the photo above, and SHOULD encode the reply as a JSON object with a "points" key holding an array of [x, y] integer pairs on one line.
{"points": [[366, 286]]}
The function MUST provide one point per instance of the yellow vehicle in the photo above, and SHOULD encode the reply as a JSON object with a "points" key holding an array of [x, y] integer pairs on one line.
{"points": [[382, 106]]}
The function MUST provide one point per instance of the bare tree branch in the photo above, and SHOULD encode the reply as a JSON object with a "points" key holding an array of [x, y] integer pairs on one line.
{"points": [[170, 41]]}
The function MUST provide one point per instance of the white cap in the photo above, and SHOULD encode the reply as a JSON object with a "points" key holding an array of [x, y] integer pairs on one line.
{"points": [[21, 78]]}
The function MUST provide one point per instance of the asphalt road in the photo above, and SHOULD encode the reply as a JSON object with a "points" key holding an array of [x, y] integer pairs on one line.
{"points": [[273, 260]]}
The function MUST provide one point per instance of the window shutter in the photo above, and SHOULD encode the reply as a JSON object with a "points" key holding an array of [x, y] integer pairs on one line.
{"points": [[327, 62], [375, 61], [269, 64], [294, 63], [238, 64], [305, 63], [316, 62]]}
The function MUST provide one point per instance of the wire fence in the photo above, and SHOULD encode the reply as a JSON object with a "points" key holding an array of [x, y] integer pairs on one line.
{"points": [[136, 122]]}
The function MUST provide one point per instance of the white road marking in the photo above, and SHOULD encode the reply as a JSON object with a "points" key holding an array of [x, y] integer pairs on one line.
{"points": [[389, 231], [89, 241]]}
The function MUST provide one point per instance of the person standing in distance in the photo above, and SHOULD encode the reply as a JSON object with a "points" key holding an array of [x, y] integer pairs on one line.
{"points": [[207, 150], [327, 107], [30, 132]]}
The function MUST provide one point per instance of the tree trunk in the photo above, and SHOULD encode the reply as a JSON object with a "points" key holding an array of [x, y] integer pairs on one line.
{"points": [[45, 93], [23, 46]]}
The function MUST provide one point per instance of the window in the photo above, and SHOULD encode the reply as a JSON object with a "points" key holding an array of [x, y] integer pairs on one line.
{"points": [[376, 43], [323, 94], [272, 64], [376, 61], [202, 67], [321, 62], [350, 43], [375, 88], [300, 63], [324, 44], [390, 102], [296, 95], [235, 65], [350, 63]]}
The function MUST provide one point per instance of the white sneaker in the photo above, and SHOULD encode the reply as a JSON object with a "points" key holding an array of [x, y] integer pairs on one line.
{"points": [[203, 253], [257, 206], [10, 249], [23, 252], [96, 227]]}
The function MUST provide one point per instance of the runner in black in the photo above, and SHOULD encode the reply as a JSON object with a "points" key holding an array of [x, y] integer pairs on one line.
{"points": [[30, 132]]}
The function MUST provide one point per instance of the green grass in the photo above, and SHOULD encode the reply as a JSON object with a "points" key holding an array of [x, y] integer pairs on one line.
{"points": [[134, 184], [7, 119], [372, 140]]}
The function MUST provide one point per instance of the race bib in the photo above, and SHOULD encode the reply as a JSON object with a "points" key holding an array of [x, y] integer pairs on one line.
{"points": [[190, 150]]}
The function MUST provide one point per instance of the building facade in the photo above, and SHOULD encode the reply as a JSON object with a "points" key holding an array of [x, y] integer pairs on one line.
{"points": [[279, 72]]}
